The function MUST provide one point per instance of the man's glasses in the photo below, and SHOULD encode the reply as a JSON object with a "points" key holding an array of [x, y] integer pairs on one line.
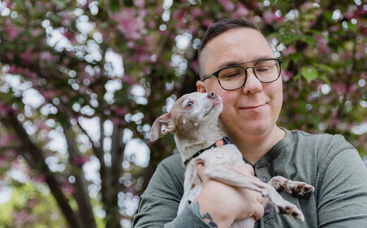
{"points": [[234, 77]]}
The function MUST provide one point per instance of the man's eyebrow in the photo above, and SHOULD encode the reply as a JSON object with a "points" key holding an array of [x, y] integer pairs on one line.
{"points": [[232, 63]]}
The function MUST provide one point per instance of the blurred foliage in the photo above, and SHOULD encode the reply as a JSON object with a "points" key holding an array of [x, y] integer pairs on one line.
{"points": [[68, 109]]}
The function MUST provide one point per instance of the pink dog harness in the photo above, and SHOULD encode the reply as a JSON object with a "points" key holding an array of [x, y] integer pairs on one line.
{"points": [[221, 142]]}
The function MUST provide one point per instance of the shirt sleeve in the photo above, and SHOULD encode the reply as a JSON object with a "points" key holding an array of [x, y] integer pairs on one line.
{"points": [[159, 203], [342, 184]]}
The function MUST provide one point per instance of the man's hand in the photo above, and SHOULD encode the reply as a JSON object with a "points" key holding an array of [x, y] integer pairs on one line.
{"points": [[219, 204]]}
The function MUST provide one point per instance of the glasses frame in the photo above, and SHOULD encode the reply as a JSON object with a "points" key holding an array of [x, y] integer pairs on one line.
{"points": [[280, 60]]}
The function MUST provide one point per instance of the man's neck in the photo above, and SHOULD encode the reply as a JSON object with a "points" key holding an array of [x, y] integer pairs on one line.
{"points": [[255, 147]]}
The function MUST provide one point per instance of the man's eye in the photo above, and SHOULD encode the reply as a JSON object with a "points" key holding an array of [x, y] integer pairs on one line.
{"points": [[189, 104]]}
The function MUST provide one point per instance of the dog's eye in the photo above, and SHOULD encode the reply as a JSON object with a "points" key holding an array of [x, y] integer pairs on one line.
{"points": [[189, 104]]}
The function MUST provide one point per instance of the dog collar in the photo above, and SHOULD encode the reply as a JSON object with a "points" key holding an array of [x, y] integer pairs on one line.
{"points": [[221, 142]]}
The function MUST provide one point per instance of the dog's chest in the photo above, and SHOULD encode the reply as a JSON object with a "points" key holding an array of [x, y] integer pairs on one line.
{"points": [[227, 155]]}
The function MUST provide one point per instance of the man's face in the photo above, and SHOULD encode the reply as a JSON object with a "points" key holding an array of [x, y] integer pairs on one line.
{"points": [[253, 109]]}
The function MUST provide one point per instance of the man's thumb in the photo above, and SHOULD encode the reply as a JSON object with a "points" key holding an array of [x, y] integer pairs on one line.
{"points": [[200, 171]]}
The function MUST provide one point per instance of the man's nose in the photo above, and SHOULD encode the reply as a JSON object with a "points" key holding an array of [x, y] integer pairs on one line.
{"points": [[212, 95], [253, 84]]}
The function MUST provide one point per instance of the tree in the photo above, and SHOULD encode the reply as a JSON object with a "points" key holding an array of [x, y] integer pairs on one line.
{"points": [[69, 55]]}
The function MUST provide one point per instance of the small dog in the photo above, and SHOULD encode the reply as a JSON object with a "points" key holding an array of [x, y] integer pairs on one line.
{"points": [[193, 121]]}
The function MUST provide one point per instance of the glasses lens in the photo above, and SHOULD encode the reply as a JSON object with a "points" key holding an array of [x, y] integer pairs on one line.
{"points": [[232, 78], [267, 70]]}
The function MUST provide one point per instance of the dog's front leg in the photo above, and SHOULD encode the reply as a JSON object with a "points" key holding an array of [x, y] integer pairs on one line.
{"points": [[192, 185], [234, 178]]}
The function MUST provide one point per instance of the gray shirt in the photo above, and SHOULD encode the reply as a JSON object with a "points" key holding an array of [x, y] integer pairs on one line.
{"points": [[329, 163]]}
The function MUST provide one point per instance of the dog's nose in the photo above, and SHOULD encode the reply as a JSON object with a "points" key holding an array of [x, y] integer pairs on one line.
{"points": [[212, 95]]}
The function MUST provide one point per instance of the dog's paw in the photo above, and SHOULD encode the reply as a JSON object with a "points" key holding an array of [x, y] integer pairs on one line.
{"points": [[290, 210], [298, 188]]}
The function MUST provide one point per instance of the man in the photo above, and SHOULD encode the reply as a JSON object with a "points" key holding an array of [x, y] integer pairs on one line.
{"points": [[251, 109]]}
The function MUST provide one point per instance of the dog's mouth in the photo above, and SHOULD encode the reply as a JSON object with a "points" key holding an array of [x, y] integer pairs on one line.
{"points": [[216, 102]]}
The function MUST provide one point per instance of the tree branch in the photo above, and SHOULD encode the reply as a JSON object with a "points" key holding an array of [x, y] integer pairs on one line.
{"points": [[30, 150]]}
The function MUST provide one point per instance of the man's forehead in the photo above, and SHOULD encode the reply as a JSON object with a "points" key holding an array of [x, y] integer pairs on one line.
{"points": [[234, 47]]}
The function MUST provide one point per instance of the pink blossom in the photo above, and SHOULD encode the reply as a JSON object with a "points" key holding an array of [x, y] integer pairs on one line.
{"points": [[47, 56], [130, 44], [65, 99], [10, 56], [139, 3], [7, 139], [322, 44], [179, 15], [241, 11], [151, 24], [288, 51], [307, 6], [228, 5], [351, 11], [4, 109], [286, 75], [335, 28], [14, 69], [21, 218], [195, 12], [36, 32], [339, 88], [13, 31], [148, 43], [159, 10], [39, 179], [207, 22], [128, 79], [194, 65], [311, 23], [130, 25], [117, 121], [81, 160], [352, 88], [119, 110], [269, 17], [69, 35], [347, 55], [27, 56], [67, 187]]}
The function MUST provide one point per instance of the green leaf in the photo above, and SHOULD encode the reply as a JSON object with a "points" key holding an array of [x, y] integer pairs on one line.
{"points": [[59, 3], [289, 39], [308, 39], [309, 73], [129, 3], [114, 6], [325, 79], [324, 67]]}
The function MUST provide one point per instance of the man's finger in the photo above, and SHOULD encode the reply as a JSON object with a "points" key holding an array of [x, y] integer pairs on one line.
{"points": [[258, 211], [201, 171], [245, 169]]}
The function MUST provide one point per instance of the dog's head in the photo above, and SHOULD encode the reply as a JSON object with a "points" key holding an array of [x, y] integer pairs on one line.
{"points": [[188, 116]]}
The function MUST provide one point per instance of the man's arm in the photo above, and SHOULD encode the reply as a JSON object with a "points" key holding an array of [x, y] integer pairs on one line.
{"points": [[159, 203], [342, 188]]}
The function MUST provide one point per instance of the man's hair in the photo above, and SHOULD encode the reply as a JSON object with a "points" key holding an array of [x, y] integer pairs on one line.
{"points": [[220, 27]]}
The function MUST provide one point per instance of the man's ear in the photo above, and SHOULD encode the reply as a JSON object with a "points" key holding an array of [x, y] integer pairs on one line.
{"points": [[161, 126], [200, 87]]}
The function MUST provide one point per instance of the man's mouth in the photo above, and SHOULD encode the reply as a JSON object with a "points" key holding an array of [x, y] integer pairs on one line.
{"points": [[253, 106]]}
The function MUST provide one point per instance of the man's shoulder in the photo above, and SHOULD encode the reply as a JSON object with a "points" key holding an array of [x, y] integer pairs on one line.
{"points": [[174, 161], [172, 166], [318, 138], [321, 145]]}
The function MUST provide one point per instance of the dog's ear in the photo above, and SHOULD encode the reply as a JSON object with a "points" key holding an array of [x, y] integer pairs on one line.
{"points": [[163, 125]]}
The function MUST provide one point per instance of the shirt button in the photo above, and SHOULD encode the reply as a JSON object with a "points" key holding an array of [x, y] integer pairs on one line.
{"points": [[267, 211], [263, 179]]}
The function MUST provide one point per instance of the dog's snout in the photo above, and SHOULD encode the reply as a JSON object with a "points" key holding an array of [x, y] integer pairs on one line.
{"points": [[212, 95]]}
